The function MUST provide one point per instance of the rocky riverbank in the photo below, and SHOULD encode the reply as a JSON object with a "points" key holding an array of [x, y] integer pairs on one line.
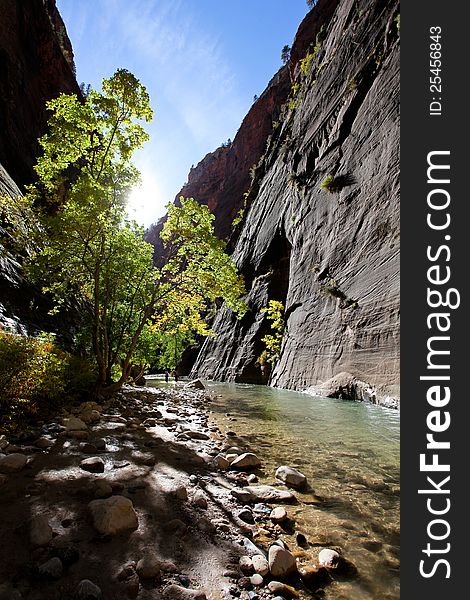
{"points": [[143, 497]]}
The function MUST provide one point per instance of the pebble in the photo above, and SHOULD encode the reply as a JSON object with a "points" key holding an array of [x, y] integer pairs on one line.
{"points": [[328, 558], [246, 564], [286, 591], [256, 580], [278, 515], [199, 499], [246, 515], [74, 424], [281, 562], [87, 590], [94, 464], [291, 477], [252, 478], [260, 564], [87, 448]]}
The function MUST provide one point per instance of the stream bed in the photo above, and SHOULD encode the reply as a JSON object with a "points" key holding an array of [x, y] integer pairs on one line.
{"points": [[349, 452]]}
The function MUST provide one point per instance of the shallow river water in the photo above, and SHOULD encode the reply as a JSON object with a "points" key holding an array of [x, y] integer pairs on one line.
{"points": [[349, 452]]}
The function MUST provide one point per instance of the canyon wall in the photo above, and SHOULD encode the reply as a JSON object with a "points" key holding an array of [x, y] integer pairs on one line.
{"points": [[322, 231]]}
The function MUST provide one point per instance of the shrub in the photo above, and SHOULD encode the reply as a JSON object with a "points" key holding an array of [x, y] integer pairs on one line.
{"points": [[306, 63], [328, 184], [37, 377]]}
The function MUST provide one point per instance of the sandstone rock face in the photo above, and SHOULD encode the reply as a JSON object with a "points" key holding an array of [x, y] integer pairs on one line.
{"points": [[328, 251], [36, 64]]}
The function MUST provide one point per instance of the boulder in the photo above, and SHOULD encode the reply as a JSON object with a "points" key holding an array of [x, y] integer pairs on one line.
{"points": [[113, 515], [91, 416], [12, 463], [291, 477], [40, 531], [281, 562], [247, 460], [246, 564], [148, 566], [195, 384], [94, 464], [221, 462], [284, 591], [74, 424]]}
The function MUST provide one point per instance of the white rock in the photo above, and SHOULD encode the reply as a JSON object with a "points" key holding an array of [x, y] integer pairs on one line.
{"points": [[260, 564], [113, 515], [246, 460], [328, 558], [291, 476], [281, 562], [12, 463], [40, 531], [278, 514], [74, 424]]}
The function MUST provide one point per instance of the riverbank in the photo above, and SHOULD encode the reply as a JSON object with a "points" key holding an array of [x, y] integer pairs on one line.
{"points": [[137, 498]]}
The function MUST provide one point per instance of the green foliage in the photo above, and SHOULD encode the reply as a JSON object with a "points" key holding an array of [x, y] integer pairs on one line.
{"points": [[329, 184], [17, 220], [36, 377], [88, 247], [306, 63], [285, 54], [274, 313], [397, 21]]}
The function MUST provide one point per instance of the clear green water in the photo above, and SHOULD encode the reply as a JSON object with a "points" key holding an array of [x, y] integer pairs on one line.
{"points": [[349, 452]]}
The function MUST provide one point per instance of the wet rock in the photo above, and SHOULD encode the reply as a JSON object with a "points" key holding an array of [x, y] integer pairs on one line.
{"points": [[87, 590], [285, 591], [246, 515], [262, 493], [94, 464], [260, 564], [40, 531], [291, 477], [246, 564], [113, 515], [51, 569], [281, 562], [13, 463], [247, 460], [148, 566], [328, 558], [74, 424], [176, 592], [100, 444], [195, 384], [278, 514], [301, 539], [314, 577]]}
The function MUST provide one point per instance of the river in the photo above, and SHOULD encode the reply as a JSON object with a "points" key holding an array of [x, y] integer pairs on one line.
{"points": [[349, 452]]}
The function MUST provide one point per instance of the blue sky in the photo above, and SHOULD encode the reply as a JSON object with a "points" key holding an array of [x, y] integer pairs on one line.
{"points": [[202, 61]]}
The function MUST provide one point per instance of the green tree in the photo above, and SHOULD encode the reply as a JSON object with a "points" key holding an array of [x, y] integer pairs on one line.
{"points": [[91, 251], [285, 54], [274, 313]]}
